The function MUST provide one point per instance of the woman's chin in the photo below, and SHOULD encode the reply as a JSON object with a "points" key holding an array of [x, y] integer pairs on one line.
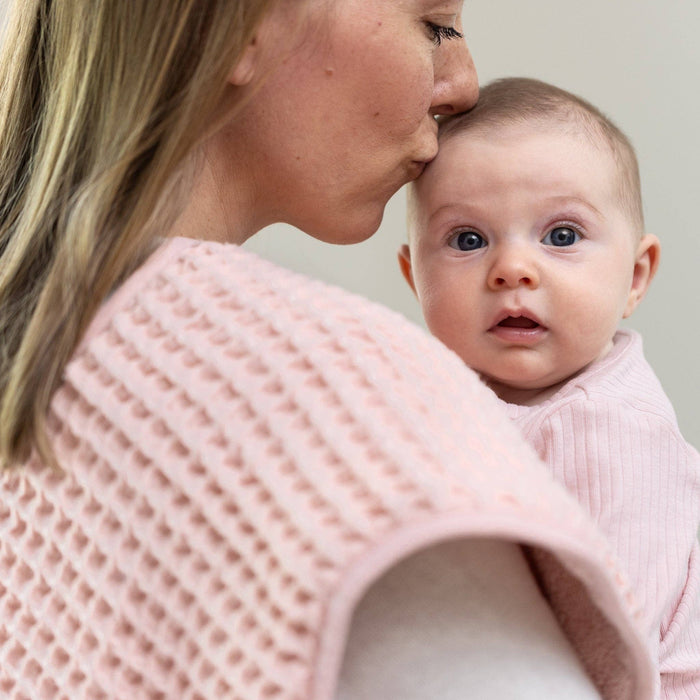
{"points": [[349, 231]]}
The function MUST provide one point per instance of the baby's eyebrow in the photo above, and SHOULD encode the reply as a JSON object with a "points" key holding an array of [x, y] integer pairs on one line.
{"points": [[574, 199], [461, 206], [439, 210]]}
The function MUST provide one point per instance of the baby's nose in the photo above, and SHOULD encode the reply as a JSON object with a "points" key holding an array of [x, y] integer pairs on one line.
{"points": [[513, 269]]}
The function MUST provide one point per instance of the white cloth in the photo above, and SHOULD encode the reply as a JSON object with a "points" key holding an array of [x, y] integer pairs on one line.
{"points": [[462, 619]]}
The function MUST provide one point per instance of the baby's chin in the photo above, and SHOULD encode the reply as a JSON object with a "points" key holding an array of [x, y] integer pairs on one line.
{"points": [[524, 394], [531, 391]]}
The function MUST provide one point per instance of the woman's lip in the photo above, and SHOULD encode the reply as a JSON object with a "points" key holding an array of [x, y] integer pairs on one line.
{"points": [[416, 168]]}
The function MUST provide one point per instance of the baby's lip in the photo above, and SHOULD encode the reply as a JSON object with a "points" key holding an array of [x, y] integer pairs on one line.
{"points": [[517, 318]]}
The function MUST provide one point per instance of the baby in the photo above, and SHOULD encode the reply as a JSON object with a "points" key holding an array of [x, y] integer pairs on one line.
{"points": [[526, 249]]}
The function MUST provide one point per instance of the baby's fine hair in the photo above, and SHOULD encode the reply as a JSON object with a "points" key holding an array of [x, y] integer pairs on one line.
{"points": [[526, 100]]}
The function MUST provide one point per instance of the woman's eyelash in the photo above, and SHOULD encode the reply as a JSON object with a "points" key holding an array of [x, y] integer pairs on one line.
{"points": [[440, 32]]}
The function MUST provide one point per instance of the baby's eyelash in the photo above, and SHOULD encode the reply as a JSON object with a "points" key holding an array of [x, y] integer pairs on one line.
{"points": [[440, 32]]}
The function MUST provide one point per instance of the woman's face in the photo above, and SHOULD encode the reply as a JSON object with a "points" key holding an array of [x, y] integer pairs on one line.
{"points": [[347, 117]]}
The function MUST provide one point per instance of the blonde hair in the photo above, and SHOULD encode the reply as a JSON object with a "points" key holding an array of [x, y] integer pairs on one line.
{"points": [[102, 103], [526, 100]]}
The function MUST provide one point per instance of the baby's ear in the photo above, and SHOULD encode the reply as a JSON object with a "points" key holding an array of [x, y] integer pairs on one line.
{"points": [[645, 265], [404, 255]]}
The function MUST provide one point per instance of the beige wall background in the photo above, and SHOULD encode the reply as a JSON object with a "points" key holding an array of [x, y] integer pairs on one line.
{"points": [[639, 61]]}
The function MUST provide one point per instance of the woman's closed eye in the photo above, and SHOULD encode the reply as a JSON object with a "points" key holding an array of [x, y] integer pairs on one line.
{"points": [[439, 32], [562, 236], [467, 240]]}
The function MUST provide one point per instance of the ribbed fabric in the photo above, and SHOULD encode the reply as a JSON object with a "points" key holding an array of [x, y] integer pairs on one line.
{"points": [[244, 451], [610, 435]]}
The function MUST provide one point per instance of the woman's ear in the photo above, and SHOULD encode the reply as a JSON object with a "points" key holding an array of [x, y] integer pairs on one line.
{"points": [[272, 36], [404, 255], [645, 265], [244, 70]]}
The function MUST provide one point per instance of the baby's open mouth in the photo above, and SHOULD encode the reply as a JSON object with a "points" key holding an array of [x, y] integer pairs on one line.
{"points": [[518, 322], [520, 330]]}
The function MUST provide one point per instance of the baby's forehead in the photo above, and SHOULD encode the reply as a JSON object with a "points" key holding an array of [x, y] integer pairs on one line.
{"points": [[547, 155], [578, 130], [518, 149]]}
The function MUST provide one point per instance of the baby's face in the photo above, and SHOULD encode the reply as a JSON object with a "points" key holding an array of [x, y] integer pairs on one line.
{"points": [[522, 256]]}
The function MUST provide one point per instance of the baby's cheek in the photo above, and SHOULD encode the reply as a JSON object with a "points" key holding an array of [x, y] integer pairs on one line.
{"points": [[441, 323]]}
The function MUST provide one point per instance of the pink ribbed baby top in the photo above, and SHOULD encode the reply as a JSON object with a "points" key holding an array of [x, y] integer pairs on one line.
{"points": [[243, 452], [610, 435]]}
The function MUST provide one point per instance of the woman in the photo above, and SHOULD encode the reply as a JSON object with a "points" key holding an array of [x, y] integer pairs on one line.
{"points": [[240, 453]]}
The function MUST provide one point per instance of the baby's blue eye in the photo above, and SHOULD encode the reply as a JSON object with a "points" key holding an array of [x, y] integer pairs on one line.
{"points": [[561, 236], [467, 240]]}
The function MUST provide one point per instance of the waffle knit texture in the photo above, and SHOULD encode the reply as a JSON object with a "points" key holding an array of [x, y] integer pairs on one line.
{"points": [[611, 437], [244, 451]]}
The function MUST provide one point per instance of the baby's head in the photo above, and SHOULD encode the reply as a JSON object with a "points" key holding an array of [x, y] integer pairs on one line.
{"points": [[526, 237]]}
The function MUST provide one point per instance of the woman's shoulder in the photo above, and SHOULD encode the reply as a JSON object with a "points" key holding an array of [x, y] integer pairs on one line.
{"points": [[205, 296], [218, 278]]}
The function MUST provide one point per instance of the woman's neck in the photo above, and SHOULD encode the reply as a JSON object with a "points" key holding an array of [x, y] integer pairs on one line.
{"points": [[218, 208]]}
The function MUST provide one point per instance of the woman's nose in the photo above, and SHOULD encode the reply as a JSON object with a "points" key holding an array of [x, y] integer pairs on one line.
{"points": [[512, 269], [456, 83]]}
